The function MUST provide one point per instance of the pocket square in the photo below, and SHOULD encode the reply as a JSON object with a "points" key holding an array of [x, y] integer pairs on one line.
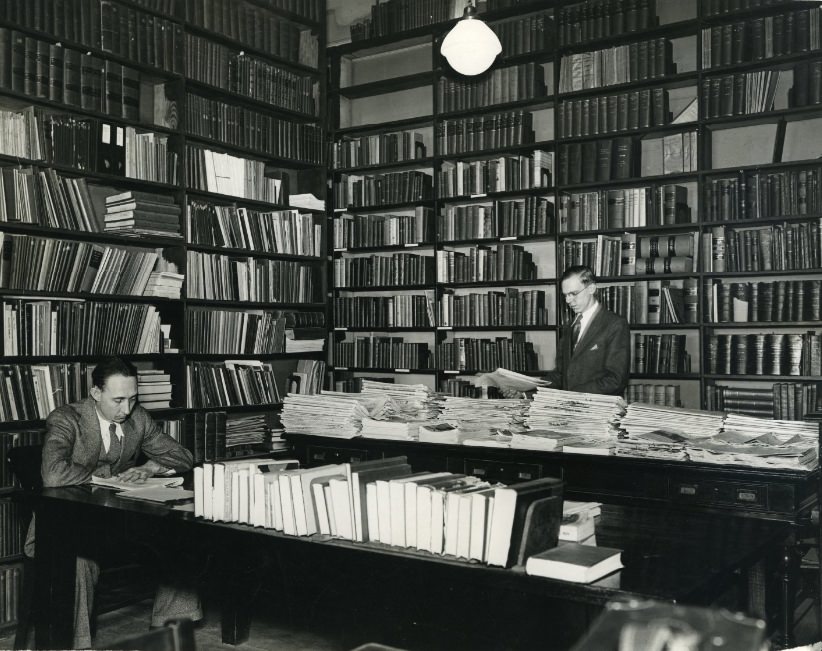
{"points": [[594, 347]]}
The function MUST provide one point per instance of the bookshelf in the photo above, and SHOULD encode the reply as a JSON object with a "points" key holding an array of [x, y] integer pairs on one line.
{"points": [[150, 150], [663, 143]]}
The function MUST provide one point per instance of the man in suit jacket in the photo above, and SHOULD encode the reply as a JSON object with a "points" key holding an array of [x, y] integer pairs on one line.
{"points": [[594, 351], [103, 435]]}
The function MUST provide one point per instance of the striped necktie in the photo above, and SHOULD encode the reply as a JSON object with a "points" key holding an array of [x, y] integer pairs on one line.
{"points": [[575, 328]]}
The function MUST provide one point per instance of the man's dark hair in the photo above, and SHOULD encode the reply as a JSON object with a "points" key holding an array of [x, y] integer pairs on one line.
{"points": [[111, 366], [585, 273]]}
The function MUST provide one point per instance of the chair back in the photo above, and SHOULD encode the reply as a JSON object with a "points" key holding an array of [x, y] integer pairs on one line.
{"points": [[25, 461]]}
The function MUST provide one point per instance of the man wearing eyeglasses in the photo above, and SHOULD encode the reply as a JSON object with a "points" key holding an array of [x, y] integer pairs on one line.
{"points": [[594, 350]]}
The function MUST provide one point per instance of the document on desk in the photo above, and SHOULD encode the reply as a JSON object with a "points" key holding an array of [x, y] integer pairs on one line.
{"points": [[161, 494], [114, 482]]}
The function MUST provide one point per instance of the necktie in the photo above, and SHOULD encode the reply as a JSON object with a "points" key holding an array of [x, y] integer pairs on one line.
{"points": [[575, 327], [114, 447]]}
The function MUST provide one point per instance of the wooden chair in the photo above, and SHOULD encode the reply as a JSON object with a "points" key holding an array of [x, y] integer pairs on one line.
{"points": [[176, 635]]}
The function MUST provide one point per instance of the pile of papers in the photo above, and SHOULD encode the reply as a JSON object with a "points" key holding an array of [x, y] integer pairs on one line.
{"points": [[509, 381], [411, 402], [660, 432], [293, 345], [164, 284], [481, 417], [332, 413], [592, 418], [761, 443], [541, 439], [392, 428], [245, 430], [442, 433]]}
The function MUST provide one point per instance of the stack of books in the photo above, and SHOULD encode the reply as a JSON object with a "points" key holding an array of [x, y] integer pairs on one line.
{"points": [[165, 284], [592, 418], [579, 522], [332, 413], [154, 389], [142, 213]]}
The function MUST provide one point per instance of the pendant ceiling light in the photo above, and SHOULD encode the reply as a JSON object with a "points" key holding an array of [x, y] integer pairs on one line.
{"points": [[471, 46]]}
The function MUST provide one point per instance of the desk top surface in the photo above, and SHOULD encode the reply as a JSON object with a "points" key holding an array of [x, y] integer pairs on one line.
{"points": [[666, 554]]}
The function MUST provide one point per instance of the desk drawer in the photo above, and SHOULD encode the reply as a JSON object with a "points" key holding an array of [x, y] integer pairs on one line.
{"points": [[508, 472], [741, 495], [319, 455]]}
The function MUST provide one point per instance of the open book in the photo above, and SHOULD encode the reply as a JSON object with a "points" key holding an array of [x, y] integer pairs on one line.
{"points": [[505, 379], [119, 484]]}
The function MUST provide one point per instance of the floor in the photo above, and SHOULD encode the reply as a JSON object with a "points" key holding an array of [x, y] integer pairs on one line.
{"points": [[268, 635]]}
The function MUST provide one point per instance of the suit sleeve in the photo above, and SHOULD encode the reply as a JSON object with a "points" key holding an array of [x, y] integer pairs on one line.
{"points": [[163, 449], [614, 376], [58, 467]]}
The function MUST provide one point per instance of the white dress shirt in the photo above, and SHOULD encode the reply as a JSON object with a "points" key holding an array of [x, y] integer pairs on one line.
{"points": [[105, 433], [585, 319]]}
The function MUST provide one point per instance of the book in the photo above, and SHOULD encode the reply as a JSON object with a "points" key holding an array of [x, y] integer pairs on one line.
{"points": [[570, 561], [513, 531]]}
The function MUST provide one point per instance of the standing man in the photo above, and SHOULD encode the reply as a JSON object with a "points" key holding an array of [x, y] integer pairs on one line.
{"points": [[103, 436], [594, 350]]}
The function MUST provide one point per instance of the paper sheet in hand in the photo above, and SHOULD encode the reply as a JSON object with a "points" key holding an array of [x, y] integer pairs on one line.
{"points": [[114, 482], [505, 379]]}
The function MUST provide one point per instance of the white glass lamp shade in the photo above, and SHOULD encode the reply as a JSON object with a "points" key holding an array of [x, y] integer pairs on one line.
{"points": [[471, 46]]}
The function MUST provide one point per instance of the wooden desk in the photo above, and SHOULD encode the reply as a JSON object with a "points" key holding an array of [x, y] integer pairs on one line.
{"points": [[688, 558]]}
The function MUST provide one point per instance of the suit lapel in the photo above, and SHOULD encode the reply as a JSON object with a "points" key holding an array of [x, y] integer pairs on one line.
{"points": [[591, 332], [90, 429]]}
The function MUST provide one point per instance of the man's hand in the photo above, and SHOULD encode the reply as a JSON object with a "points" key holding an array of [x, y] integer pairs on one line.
{"points": [[139, 474]]}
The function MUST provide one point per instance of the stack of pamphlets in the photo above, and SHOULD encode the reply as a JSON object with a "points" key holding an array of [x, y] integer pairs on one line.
{"points": [[410, 401], [332, 413], [660, 432]]}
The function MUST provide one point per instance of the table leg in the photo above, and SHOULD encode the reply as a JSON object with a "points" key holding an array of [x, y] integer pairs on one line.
{"points": [[788, 575], [55, 558], [239, 591]]}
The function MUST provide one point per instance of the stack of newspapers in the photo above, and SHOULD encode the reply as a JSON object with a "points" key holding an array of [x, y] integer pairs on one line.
{"points": [[413, 402], [332, 413], [483, 417], [660, 432], [591, 420]]}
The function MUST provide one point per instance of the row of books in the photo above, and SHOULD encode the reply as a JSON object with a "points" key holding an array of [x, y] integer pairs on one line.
{"points": [[371, 230], [277, 231], [621, 64], [624, 208], [521, 35], [381, 501], [399, 269], [311, 9], [510, 307], [763, 195], [252, 25], [777, 301], [232, 382], [228, 278], [655, 354], [807, 84], [506, 129], [741, 93], [235, 176], [649, 301], [630, 254], [234, 332], [356, 190], [780, 247], [635, 109], [140, 36], [393, 17], [400, 311], [654, 394], [49, 327], [251, 129], [9, 440], [47, 71], [765, 354], [598, 19], [472, 354], [781, 400], [503, 174], [204, 433], [676, 153], [381, 352], [11, 542], [761, 38], [377, 149], [24, 136], [484, 264], [722, 7], [45, 264], [33, 391], [592, 161], [217, 65], [524, 217], [499, 86]]}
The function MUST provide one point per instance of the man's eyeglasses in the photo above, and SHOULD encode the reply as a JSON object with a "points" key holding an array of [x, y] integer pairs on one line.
{"points": [[576, 293]]}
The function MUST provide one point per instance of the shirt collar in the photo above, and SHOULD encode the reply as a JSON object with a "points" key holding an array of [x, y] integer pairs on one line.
{"points": [[589, 312], [104, 424]]}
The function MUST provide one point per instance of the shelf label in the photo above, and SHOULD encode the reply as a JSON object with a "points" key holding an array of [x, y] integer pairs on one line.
{"points": [[402, 370], [451, 372], [340, 250], [341, 329], [509, 238], [340, 209], [477, 196], [445, 327], [342, 368], [411, 245]]}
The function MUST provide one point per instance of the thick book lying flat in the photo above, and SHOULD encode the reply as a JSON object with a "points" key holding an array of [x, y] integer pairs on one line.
{"points": [[572, 561]]}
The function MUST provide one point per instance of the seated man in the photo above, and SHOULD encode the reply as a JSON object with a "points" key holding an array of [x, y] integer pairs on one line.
{"points": [[103, 436]]}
